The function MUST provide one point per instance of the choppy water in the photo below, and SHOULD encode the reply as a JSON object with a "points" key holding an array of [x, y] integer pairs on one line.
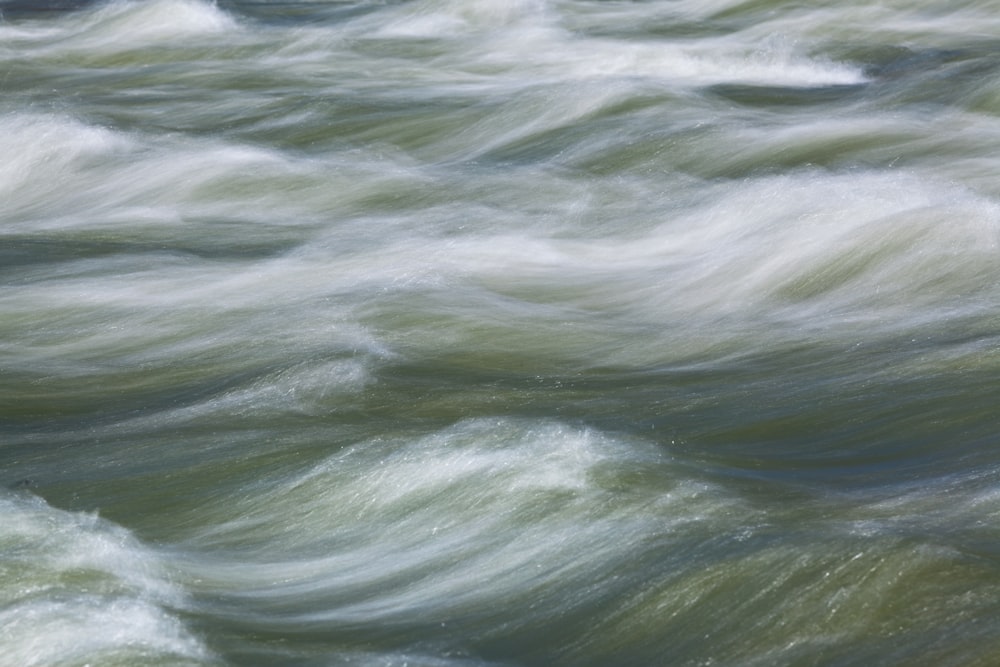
{"points": [[499, 332]]}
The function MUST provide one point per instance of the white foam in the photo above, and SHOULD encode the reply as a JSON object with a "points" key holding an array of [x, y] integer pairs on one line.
{"points": [[444, 19], [722, 61], [67, 175], [484, 514], [45, 154], [124, 24], [118, 26], [524, 42], [89, 630], [77, 589], [307, 389], [853, 243]]}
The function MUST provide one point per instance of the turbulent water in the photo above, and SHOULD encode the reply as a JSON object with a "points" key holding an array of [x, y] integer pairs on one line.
{"points": [[455, 333]]}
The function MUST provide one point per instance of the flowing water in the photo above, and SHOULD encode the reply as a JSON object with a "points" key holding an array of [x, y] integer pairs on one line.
{"points": [[456, 333]]}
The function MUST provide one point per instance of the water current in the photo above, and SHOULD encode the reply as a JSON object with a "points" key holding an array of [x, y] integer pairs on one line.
{"points": [[455, 333]]}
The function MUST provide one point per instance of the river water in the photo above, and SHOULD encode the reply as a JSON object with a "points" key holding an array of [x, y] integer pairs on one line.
{"points": [[456, 333]]}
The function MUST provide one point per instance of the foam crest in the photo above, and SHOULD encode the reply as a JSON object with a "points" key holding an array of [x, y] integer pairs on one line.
{"points": [[846, 243], [511, 43], [671, 63], [69, 176], [77, 589], [122, 24], [484, 514], [119, 26], [447, 18], [860, 257], [46, 154], [306, 389], [63, 168], [391, 478], [869, 245]]}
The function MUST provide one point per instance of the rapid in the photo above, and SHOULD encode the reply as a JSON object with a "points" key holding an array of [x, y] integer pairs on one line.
{"points": [[468, 333]]}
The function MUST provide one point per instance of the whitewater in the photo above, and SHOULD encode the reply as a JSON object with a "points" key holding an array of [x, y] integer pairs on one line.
{"points": [[458, 333]]}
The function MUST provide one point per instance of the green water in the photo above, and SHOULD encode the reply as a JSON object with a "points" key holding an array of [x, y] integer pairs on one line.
{"points": [[499, 332]]}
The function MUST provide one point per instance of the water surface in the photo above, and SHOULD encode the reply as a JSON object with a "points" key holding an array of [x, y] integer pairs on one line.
{"points": [[499, 332]]}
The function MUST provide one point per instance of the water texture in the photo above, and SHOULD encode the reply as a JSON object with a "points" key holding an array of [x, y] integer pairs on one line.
{"points": [[479, 333]]}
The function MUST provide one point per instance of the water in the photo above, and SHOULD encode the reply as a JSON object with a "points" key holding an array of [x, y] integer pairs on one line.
{"points": [[466, 333]]}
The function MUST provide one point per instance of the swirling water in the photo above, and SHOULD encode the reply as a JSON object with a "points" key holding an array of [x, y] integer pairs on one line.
{"points": [[499, 332]]}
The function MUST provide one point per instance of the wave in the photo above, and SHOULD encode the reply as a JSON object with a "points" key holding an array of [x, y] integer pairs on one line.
{"points": [[121, 25], [486, 539], [499, 333], [76, 589]]}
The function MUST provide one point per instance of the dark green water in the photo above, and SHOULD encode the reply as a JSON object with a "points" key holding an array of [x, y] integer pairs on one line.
{"points": [[499, 332]]}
